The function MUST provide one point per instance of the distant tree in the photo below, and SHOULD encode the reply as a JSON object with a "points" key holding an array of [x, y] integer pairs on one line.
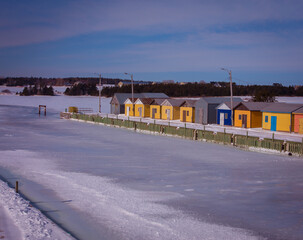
{"points": [[263, 96]]}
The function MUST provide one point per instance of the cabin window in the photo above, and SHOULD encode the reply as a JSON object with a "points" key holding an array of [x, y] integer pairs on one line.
{"points": [[187, 113], [226, 116], [266, 118], [240, 117]]}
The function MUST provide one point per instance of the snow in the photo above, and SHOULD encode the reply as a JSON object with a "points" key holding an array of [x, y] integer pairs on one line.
{"points": [[132, 213], [22, 221], [122, 185], [58, 103], [102, 181]]}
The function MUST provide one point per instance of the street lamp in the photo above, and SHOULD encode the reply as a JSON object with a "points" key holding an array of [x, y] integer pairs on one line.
{"points": [[99, 74], [231, 94], [132, 82]]}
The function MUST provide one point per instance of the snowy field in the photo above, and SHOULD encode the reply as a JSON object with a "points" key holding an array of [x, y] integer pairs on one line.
{"points": [[102, 182]]}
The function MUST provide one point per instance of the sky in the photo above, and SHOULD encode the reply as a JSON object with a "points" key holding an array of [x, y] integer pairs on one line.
{"points": [[260, 41]]}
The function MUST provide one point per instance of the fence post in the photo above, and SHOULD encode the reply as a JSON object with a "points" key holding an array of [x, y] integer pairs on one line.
{"points": [[247, 139], [302, 147], [17, 187], [224, 136]]}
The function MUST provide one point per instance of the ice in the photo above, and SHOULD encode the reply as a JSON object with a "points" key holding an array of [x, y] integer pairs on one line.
{"points": [[134, 214], [101, 181], [24, 221]]}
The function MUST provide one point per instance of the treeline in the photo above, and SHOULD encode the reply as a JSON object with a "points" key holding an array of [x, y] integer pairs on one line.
{"points": [[28, 91], [206, 89], [25, 81], [82, 89]]}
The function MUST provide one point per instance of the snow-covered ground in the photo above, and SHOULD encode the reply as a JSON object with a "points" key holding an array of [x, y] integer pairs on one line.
{"points": [[20, 220], [99, 182]]}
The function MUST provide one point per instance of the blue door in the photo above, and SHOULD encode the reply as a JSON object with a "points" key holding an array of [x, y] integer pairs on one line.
{"points": [[273, 126]]}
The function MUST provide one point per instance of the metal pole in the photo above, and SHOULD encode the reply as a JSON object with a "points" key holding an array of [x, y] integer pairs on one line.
{"points": [[132, 93], [231, 94], [231, 98]]}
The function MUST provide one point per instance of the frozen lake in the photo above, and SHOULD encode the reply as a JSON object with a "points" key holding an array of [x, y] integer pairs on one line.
{"points": [[102, 182]]}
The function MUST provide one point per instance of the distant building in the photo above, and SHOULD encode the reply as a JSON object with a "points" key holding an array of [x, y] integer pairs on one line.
{"points": [[249, 114], [279, 117], [117, 102], [168, 81], [205, 108]]}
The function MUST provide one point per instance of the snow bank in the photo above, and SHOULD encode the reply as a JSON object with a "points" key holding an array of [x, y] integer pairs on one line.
{"points": [[30, 222], [132, 214], [57, 103]]}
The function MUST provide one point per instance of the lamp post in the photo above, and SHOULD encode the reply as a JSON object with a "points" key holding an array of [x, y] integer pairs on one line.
{"points": [[132, 83], [99, 74], [231, 94]]}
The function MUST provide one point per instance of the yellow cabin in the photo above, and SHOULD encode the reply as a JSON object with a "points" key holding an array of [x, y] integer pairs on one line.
{"points": [[155, 108], [187, 111], [279, 117], [129, 107], [142, 107], [171, 109], [249, 115]]}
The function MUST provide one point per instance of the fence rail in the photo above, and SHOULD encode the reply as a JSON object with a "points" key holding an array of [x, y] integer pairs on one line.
{"points": [[195, 134]]}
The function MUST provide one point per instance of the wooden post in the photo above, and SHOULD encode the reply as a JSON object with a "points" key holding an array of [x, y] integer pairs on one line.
{"points": [[224, 136], [273, 137], [17, 187]]}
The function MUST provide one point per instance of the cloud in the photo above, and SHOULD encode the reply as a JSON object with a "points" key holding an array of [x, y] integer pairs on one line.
{"points": [[28, 22]]}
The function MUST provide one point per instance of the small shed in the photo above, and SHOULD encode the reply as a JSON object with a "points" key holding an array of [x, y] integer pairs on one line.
{"points": [[249, 115], [279, 117], [224, 113], [298, 120], [130, 107], [155, 108], [171, 109], [142, 107], [117, 102], [205, 108], [187, 111]]}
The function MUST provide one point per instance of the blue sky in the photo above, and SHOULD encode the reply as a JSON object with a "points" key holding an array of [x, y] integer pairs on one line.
{"points": [[260, 41]]}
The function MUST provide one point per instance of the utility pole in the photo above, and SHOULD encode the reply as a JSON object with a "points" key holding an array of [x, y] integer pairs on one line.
{"points": [[231, 94], [132, 83], [99, 74]]}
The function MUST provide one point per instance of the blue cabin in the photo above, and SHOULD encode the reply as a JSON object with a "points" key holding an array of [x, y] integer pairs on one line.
{"points": [[224, 113]]}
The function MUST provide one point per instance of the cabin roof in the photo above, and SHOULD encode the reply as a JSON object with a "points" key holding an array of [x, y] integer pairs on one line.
{"points": [[254, 106], [173, 102], [282, 107]]}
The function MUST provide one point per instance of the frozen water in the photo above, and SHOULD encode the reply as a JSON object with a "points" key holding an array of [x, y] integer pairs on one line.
{"points": [[101, 181]]}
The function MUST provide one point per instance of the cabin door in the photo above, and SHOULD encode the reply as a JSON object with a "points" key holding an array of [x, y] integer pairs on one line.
{"points": [[168, 114], [222, 119], [201, 115], [244, 121], [127, 111], [301, 125], [154, 111], [140, 111], [273, 125], [184, 116]]}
